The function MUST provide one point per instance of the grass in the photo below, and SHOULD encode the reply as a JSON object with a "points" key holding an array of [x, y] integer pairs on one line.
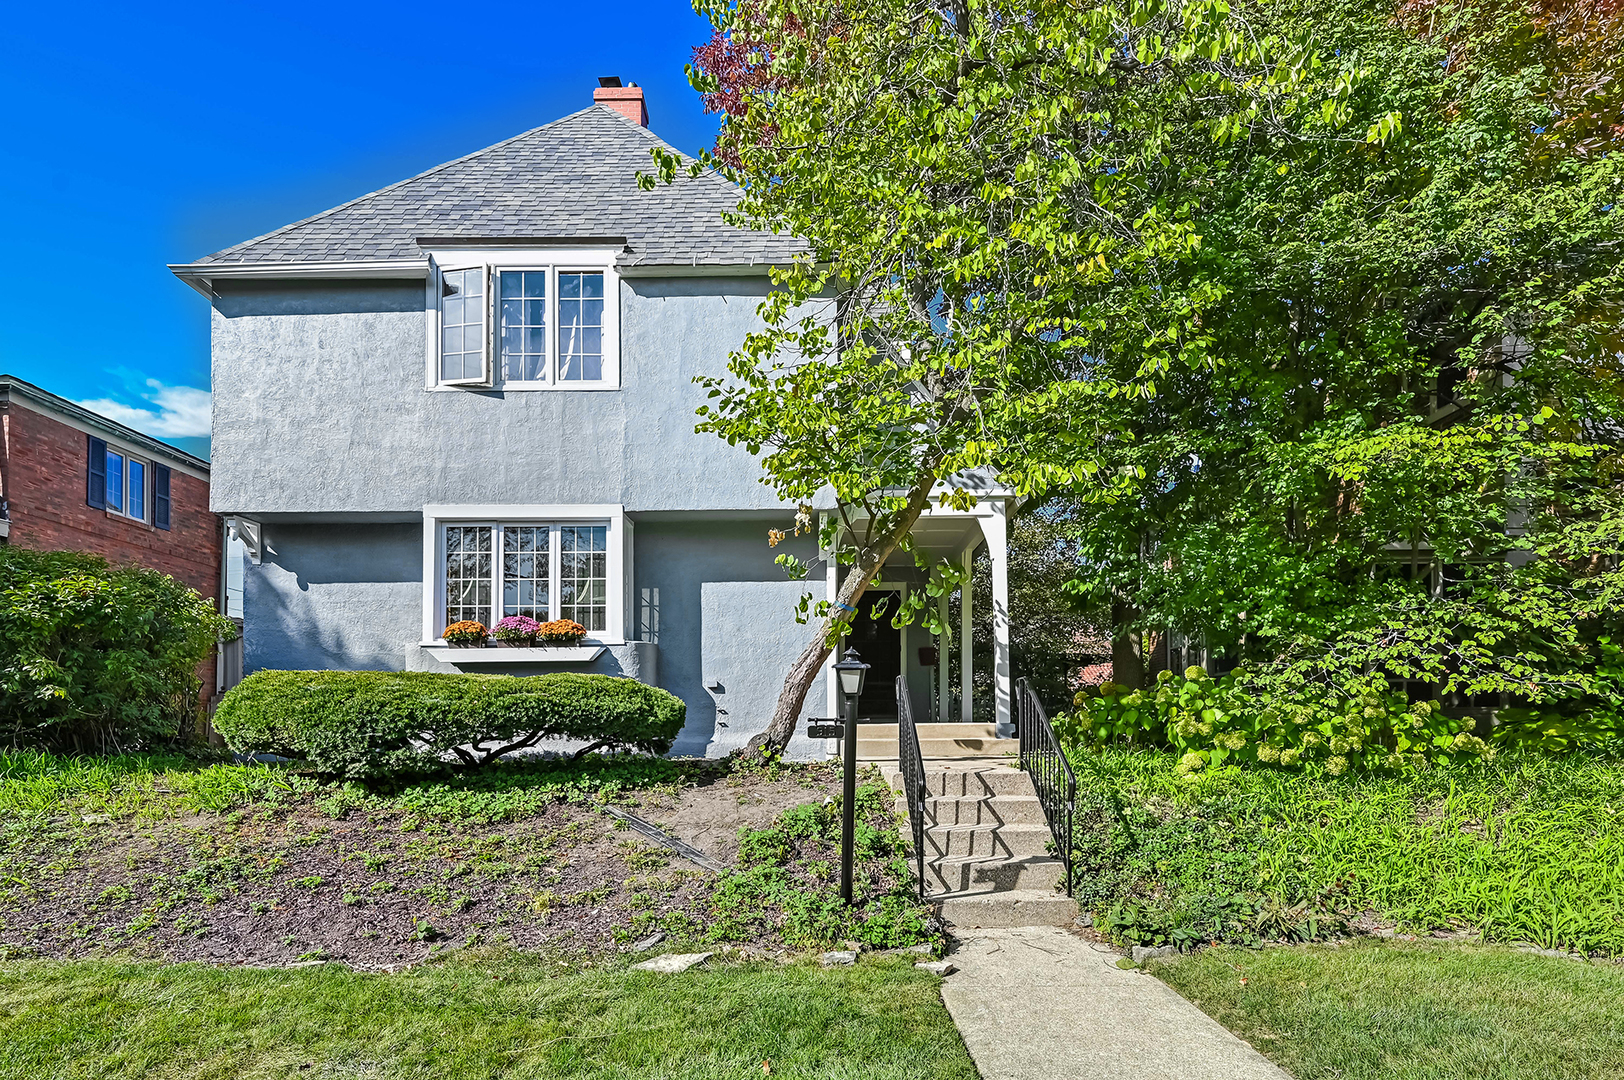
{"points": [[166, 784], [1413, 1012], [1524, 848], [499, 1014]]}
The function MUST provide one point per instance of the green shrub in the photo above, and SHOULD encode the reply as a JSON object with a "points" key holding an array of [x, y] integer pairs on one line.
{"points": [[1592, 722], [1526, 847], [93, 655], [363, 724], [1216, 721]]}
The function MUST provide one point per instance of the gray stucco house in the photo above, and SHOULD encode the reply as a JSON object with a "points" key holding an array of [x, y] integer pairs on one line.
{"points": [[470, 394]]}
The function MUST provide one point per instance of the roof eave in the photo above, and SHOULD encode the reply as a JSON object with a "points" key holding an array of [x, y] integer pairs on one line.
{"points": [[11, 385], [202, 276]]}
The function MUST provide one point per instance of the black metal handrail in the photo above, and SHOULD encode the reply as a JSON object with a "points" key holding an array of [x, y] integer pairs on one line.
{"points": [[911, 763], [1051, 773]]}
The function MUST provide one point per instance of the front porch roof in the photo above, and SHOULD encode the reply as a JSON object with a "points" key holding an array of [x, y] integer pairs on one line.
{"points": [[953, 536]]}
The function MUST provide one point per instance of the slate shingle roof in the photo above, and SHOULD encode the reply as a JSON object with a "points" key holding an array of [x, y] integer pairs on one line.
{"points": [[574, 177]]}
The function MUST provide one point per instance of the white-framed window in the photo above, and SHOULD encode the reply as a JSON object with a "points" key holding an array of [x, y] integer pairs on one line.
{"points": [[463, 352], [491, 570], [488, 561], [127, 490], [523, 321]]}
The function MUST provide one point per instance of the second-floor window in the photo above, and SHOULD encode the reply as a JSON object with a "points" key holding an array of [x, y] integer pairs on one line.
{"points": [[124, 484], [527, 327]]}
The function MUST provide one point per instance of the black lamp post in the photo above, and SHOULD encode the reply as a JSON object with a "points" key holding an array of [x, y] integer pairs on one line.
{"points": [[850, 672]]}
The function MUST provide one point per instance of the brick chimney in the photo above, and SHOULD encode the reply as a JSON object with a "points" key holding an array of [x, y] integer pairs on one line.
{"points": [[625, 100]]}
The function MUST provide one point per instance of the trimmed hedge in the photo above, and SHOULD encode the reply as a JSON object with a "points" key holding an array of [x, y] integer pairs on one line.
{"points": [[362, 724]]}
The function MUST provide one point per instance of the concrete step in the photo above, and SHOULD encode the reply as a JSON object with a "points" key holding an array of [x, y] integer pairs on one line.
{"points": [[979, 810], [968, 779], [960, 875], [878, 742], [988, 841], [1003, 909]]}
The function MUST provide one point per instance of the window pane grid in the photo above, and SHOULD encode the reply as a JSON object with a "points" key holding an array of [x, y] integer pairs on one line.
{"points": [[468, 571], [462, 324], [580, 326], [115, 481], [526, 561], [583, 584], [138, 490], [524, 325]]}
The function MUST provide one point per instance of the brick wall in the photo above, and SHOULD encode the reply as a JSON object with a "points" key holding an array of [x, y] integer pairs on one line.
{"points": [[46, 467]]}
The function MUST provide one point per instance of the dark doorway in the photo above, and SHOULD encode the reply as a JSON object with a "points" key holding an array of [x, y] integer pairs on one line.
{"points": [[880, 645]]}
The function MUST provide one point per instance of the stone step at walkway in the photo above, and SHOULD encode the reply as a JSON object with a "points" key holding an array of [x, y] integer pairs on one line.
{"points": [[985, 847], [878, 742]]}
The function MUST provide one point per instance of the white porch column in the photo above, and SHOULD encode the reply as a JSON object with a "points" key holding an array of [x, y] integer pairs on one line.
{"points": [[966, 652], [995, 527], [943, 641]]}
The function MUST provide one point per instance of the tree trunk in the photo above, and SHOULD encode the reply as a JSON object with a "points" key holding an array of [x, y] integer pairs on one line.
{"points": [[804, 672], [1127, 649]]}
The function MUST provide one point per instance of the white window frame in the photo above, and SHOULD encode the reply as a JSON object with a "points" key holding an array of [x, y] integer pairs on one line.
{"points": [[123, 511], [618, 547], [552, 262], [486, 358]]}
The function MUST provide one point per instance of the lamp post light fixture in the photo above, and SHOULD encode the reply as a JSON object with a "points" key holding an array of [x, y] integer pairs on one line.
{"points": [[850, 672]]}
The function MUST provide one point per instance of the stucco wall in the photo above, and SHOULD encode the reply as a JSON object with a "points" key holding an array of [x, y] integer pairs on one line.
{"points": [[334, 596], [320, 407], [724, 617], [708, 596]]}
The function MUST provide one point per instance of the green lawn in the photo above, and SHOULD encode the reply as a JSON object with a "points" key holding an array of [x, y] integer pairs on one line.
{"points": [[466, 1017], [1413, 1012]]}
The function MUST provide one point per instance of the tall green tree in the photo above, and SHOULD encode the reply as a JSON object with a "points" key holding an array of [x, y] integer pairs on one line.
{"points": [[965, 176], [1414, 359]]}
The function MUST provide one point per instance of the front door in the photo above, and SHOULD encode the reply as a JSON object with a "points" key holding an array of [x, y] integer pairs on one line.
{"points": [[880, 646]]}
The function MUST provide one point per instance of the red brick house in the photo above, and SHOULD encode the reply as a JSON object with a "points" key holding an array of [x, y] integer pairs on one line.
{"points": [[73, 480]]}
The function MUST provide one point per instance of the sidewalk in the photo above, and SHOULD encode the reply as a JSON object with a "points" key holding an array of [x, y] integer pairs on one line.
{"points": [[1035, 1003]]}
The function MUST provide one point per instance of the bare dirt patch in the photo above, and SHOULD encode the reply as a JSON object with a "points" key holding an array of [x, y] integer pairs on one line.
{"points": [[307, 879]]}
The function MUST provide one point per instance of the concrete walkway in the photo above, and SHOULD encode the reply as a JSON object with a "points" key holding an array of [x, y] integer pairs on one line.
{"points": [[1036, 1003]]}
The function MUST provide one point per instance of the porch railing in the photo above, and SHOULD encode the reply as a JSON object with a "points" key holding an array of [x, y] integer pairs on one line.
{"points": [[1045, 762], [911, 764]]}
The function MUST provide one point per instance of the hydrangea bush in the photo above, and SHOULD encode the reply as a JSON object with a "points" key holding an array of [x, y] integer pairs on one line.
{"points": [[1213, 722]]}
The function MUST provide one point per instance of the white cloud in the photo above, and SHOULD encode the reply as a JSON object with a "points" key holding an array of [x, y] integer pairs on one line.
{"points": [[181, 412]]}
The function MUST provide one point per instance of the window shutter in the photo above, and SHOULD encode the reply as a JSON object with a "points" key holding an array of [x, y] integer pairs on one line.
{"points": [[160, 495], [96, 485]]}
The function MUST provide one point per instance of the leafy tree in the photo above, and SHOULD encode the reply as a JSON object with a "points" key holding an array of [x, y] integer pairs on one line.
{"points": [[1413, 360], [963, 175]]}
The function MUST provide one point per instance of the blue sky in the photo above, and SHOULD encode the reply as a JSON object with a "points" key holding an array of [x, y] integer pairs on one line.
{"points": [[142, 135]]}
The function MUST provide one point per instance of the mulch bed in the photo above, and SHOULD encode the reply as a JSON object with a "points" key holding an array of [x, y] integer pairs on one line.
{"points": [[291, 882]]}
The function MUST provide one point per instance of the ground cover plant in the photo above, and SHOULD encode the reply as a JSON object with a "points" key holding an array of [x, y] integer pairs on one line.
{"points": [[1526, 848], [185, 858], [97, 656], [1392, 1011], [476, 1015], [368, 724]]}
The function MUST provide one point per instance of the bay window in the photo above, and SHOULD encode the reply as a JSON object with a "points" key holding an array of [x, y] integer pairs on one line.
{"points": [[516, 325]]}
